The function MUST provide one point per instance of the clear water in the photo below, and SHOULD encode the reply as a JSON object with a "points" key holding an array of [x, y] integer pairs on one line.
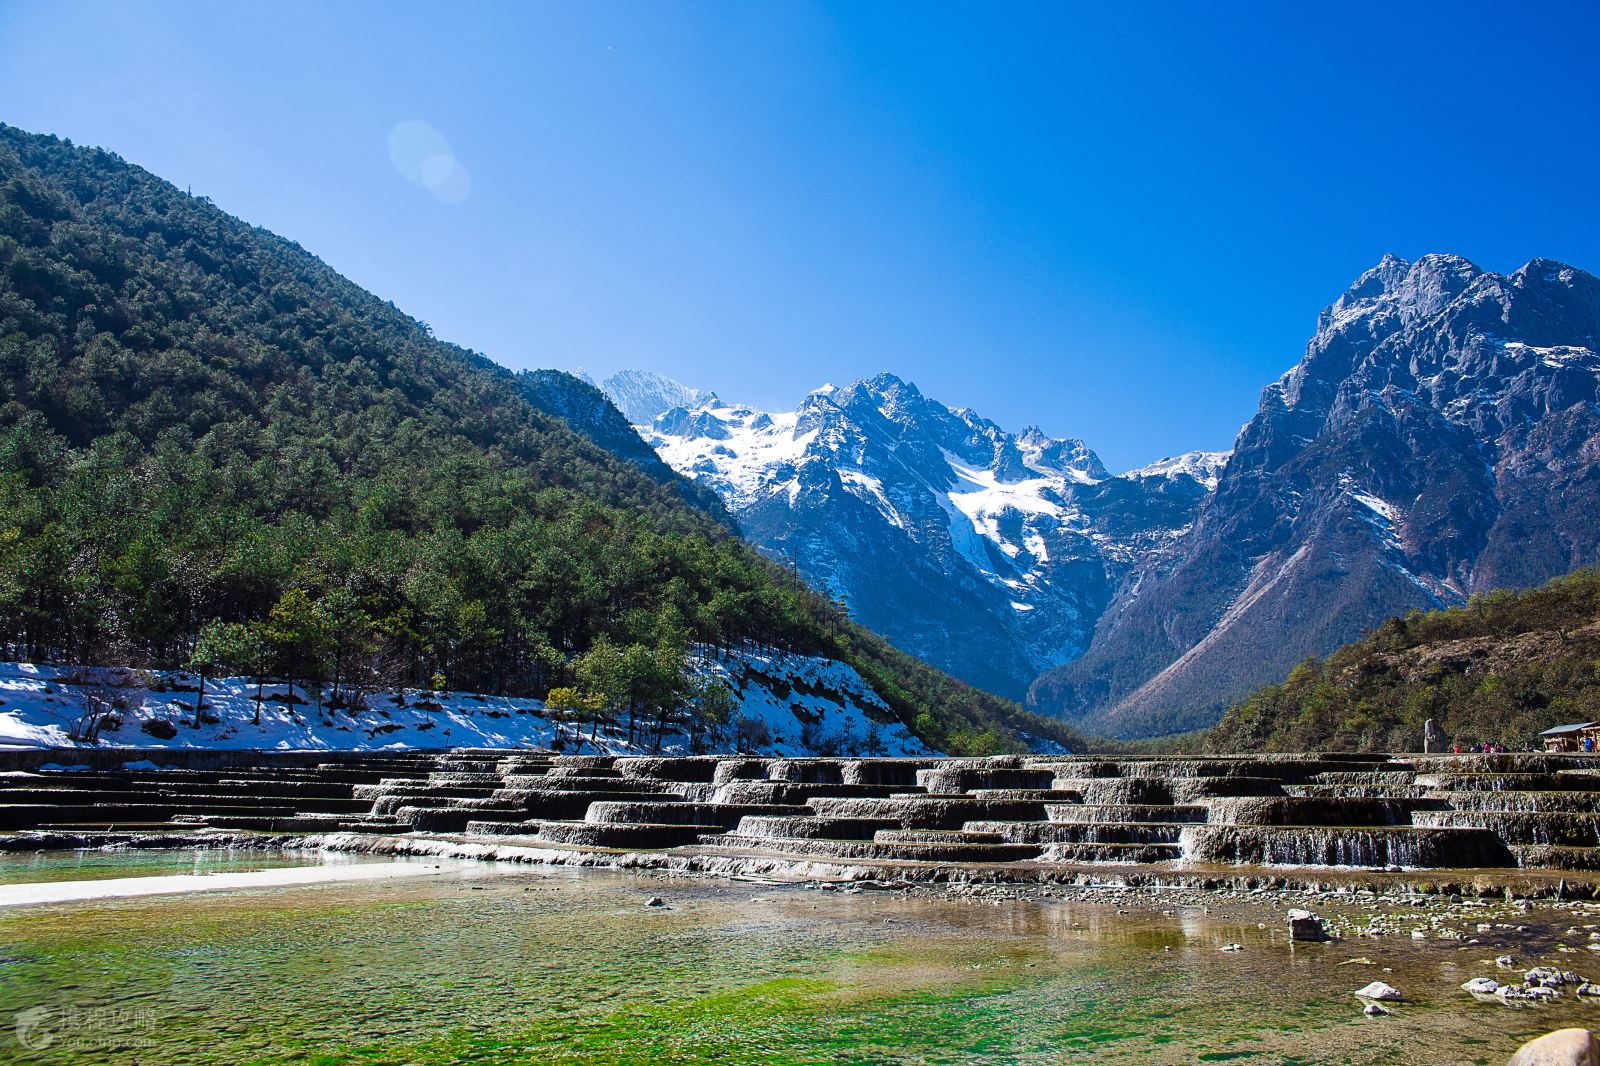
{"points": [[486, 963], [94, 865]]}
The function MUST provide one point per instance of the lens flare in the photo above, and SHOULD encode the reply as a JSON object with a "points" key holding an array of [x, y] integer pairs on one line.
{"points": [[424, 157]]}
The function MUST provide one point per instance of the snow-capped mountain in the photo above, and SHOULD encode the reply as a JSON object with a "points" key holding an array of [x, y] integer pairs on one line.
{"points": [[1440, 437], [989, 554], [641, 395]]}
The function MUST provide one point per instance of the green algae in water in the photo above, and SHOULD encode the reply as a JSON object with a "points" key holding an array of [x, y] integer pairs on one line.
{"points": [[485, 965]]}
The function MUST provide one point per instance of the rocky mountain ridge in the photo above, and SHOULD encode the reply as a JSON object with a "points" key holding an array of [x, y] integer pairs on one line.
{"points": [[1439, 438]]}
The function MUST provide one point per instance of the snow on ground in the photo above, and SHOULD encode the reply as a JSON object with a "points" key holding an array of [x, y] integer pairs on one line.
{"points": [[813, 706], [793, 705]]}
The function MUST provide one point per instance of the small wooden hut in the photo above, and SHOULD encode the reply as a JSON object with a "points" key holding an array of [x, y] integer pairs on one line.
{"points": [[1572, 737]]}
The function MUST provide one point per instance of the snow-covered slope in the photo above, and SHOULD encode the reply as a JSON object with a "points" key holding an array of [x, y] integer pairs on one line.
{"points": [[787, 705], [987, 553]]}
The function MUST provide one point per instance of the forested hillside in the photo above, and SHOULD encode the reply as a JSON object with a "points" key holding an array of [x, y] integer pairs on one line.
{"points": [[1502, 668], [216, 451]]}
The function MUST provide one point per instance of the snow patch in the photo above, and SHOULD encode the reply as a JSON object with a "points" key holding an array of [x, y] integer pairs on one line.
{"points": [[806, 706]]}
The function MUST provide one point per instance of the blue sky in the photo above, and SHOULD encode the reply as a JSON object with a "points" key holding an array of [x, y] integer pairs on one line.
{"points": [[1117, 225]]}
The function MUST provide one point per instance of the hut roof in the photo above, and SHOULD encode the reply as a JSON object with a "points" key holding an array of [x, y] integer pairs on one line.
{"points": [[1572, 728]]}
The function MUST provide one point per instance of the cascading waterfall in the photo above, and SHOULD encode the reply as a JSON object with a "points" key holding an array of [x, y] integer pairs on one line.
{"points": [[1344, 846]]}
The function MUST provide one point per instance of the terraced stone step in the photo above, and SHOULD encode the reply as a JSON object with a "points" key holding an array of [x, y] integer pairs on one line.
{"points": [[391, 802], [961, 779], [1030, 795], [584, 783], [1399, 792], [582, 773], [901, 773], [312, 788], [686, 770], [574, 805], [1510, 782], [939, 836], [1365, 778], [1241, 767], [1297, 810], [71, 796], [1104, 790], [788, 793], [1372, 846], [1083, 832], [1124, 812], [289, 823], [1521, 827], [927, 812], [453, 819], [518, 764], [1110, 852], [476, 779], [28, 816], [781, 827], [720, 815], [643, 836], [1553, 857], [477, 828], [1500, 763], [1526, 802], [880, 851]]}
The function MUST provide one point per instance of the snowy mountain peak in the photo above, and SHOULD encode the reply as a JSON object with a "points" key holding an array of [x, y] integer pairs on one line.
{"points": [[986, 552], [643, 395]]}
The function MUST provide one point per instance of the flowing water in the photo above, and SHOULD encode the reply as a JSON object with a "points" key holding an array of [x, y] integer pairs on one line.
{"points": [[488, 963]]}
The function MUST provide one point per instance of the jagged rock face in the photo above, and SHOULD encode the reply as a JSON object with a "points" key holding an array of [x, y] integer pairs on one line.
{"points": [[989, 554], [1439, 438]]}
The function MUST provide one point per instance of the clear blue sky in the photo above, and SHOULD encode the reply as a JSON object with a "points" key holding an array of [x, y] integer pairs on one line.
{"points": [[1117, 225]]}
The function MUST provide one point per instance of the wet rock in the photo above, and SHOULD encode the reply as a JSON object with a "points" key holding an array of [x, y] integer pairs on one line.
{"points": [[1380, 992], [1564, 1047], [1303, 925]]}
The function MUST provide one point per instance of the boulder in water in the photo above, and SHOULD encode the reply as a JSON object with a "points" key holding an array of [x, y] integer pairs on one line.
{"points": [[1379, 992], [1564, 1047], [1303, 925]]}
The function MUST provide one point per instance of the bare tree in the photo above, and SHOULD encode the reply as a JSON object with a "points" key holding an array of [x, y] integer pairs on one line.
{"points": [[103, 694]]}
